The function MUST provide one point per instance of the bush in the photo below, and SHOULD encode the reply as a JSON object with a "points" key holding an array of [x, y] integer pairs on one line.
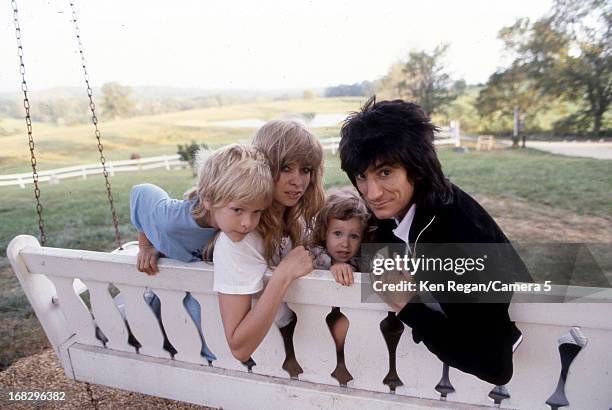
{"points": [[188, 153]]}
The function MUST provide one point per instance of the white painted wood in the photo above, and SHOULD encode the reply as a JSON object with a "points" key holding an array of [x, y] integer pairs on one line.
{"points": [[214, 334], [587, 315], [418, 368], [536, 367], [179, 326], [536, 361], [314, 346], [39, 290], [55, 175], [469, 389], [117, 269], [76, 311], [108, 317], [228, 389], [368, 365], [270, 355], [142, 321], [590, 371]]}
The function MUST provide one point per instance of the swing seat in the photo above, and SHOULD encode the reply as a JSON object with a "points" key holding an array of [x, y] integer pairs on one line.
{"points": [[48, 277]]}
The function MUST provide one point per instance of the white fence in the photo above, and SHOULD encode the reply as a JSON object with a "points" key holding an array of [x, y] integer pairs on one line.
{"points": [[447, 135], [47, 276], [53, 176], [450, 135]]}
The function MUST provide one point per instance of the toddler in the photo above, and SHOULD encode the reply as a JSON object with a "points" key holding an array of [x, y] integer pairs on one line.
{"points": [[339, 230]]}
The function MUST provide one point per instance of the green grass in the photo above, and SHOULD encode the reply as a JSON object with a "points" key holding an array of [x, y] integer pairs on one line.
{"points": [[578, 184]]}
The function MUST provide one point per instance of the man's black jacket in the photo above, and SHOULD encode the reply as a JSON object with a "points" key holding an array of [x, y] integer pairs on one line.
{"points": [[471, 336]]}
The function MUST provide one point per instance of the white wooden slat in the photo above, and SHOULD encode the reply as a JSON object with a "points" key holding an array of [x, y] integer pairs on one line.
{"points": [[179, 326], [118, 269], [365, 351], [536, 367], [468, 388], [40, 291], [589, 365], [315, 349], [142, 321], [418, 368], [75, 311], [219, 388], [108, 317], [214, 334], [270, 355]]}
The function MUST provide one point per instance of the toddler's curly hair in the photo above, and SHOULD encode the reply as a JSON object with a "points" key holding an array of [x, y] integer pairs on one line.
{"points": [[342, 204]]}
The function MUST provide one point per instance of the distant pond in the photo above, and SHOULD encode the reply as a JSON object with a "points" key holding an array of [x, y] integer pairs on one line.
{"points": [[311, 121]]}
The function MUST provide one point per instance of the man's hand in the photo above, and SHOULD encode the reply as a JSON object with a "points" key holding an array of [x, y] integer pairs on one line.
{"points": [[343, 273], [397, 292]]}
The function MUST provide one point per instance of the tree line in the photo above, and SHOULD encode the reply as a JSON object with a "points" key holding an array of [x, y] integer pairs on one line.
{"points": [[563, 59]]}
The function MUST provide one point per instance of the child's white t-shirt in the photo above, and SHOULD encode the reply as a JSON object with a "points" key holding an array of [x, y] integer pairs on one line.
{"points": [[239, 267]]}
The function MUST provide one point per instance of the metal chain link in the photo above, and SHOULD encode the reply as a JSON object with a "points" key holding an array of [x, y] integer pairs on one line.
{"points": [[28, 119], [94, 120]]}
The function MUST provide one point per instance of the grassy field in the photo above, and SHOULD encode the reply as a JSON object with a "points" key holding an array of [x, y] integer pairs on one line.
{"points": [[149, 135]]}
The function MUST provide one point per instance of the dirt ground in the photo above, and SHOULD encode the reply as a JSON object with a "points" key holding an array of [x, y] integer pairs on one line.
{"points": [[520, 220], [526, 222], [43, 372]]}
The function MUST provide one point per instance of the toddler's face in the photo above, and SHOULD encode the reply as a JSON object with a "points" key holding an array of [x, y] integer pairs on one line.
{"points": [[344, 238], [237, 220]]}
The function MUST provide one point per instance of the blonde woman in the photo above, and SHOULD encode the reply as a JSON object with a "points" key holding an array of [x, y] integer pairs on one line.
{"points": [[296, 161]]}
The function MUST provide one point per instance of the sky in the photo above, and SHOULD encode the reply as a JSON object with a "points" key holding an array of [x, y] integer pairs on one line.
{"points": [[255, 45]]}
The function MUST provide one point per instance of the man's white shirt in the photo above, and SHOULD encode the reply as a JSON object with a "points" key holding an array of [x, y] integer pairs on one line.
{"points": [[402, 232]]}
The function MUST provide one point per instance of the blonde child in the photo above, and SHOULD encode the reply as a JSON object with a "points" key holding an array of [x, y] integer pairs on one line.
{"points": [[234, 187], [296, 162]]}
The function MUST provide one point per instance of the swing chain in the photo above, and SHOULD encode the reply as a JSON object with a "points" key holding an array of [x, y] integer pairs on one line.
{"points": [[28, 119], [94, 120]]}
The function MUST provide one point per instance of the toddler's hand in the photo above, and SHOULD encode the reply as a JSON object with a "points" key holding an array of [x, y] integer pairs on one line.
{"points": [[343, 273], [147, 260], [296, 264]]}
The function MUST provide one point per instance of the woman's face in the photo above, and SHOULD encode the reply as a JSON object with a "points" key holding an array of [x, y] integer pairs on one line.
{"points": [[291, 184]]}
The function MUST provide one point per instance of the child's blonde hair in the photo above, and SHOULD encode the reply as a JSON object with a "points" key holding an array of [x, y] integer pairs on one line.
{"points": [[235, 173], [342, 204], [285, 142]]}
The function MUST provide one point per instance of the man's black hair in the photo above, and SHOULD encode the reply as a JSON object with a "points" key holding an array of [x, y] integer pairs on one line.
{"points": [[395, 133]]}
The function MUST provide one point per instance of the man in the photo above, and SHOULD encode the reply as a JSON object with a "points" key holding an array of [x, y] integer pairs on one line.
{"points": [[387, 151]]}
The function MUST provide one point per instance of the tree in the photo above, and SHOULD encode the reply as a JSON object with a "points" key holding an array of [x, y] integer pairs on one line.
{"points": [[364, 88], [423, 79], [116, 101], [188, 153], [568, 55], [510, 96]]}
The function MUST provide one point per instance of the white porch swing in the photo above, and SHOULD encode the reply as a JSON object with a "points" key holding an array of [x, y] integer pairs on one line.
{"points": [[389, 371]]}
